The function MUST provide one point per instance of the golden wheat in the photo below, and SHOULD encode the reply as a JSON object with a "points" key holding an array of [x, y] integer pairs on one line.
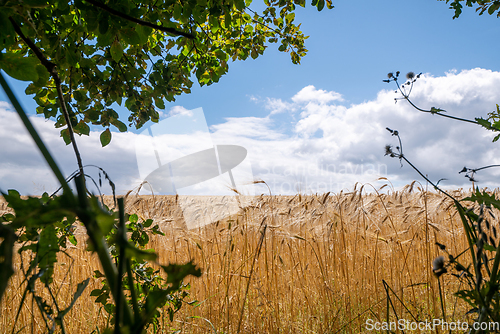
{"points": [[285, 264]]}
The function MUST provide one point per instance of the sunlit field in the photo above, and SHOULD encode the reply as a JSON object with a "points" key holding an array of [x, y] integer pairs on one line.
{"points": [[324, 263]]}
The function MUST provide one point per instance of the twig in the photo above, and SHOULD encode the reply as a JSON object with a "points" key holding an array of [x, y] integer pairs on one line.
{"points": [[406, 96], [139, 21], [51, 68]]}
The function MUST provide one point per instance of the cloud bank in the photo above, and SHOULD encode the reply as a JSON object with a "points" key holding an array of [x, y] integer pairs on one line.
{"points": [[313, 142]]}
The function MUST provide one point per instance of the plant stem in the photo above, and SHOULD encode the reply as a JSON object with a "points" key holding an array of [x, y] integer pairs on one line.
{"points": [[443, 312], [122, 240], [51, 69], [100, 247]]}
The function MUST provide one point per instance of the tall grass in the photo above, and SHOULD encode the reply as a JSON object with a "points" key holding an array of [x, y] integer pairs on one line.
{"points": [[321, 263]]}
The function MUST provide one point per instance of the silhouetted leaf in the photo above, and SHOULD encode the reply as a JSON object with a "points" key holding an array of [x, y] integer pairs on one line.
{"points": [[105, 137], [19, 67]]}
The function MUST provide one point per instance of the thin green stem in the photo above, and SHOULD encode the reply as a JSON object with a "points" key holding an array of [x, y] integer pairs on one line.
{"points": [[51, 68], [122, 239], [442, 299], [437, 113], [100, 247]]}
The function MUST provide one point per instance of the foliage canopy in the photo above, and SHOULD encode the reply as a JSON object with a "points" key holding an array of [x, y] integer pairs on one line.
{"points": [[482, 6], [135, 54]]}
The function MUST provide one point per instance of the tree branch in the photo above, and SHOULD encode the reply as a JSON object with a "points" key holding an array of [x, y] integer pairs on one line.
{"points": [[406, 96], [139, 21], [51, 68]]}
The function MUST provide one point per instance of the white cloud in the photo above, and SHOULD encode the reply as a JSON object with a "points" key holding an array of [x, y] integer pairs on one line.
{"points": [[278, 106], [311, 94], [22, 166], [333, 146], [454, 89], [180, 110], [328, 147], [246, 127]]}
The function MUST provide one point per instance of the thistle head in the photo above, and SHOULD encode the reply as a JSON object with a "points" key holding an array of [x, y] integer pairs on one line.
{"points": [[410, 75], [438, 266]]}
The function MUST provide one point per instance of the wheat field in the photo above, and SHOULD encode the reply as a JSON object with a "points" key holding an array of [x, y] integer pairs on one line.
{"points": [[323, 263]]}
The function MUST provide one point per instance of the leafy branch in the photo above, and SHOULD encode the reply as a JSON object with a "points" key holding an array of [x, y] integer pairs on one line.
{"points": [[490, 6], [115, 12], [45, 223], [483, 292], [470, 172], [51, 68], [492, 123]]}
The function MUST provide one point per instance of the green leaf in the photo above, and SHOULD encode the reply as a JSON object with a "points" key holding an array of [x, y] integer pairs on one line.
{"points": [[65, 136], [82, 128], [19, 67], [7, 33], [493, 8], [32, 212], [133, 218], [71, 57], [483, 198], [154, 300], [48, 247], [43, 75], [239, 4], [105, 137], [140, 254], [156, 230], [249, 29], [221, 55], [98, 274], [95, 292], [102, 298], [122, 127], [159, 103], [72, 239], [177, 11], [489, 247], [320, 5], [116, 51], [254, 54], [103, 23], [484, 123], [436, 110], [177, 272], [130, 36]]}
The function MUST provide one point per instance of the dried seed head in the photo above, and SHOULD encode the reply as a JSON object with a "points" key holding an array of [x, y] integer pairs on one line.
{"points": [[441, 246], [410, 75], [438, 266], [388, 150], [390, 75]]}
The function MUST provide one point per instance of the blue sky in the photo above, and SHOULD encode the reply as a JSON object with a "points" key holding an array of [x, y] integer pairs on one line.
{"points": [[310, 112]]}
